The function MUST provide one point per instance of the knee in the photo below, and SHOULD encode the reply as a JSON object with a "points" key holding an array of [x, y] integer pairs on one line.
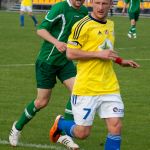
{"points": [[115, 128], [41, 102], [82, 133]]}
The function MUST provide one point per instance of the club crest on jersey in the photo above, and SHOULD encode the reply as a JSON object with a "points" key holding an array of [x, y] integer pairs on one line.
{"points": [[106, 32]]}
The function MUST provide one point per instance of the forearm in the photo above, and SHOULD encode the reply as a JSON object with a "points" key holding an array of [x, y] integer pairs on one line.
{"points": [[76, 54], [46, 36]]}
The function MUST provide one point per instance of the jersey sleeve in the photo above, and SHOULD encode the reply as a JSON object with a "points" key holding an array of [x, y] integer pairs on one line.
{"points": [[52, 17], [78, 36]]}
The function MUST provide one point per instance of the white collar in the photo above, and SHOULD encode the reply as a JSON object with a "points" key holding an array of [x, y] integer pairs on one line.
{"points": [[69, 3]]}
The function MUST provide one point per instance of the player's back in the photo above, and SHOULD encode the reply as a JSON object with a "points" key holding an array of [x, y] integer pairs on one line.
{"points": [[134, 6]]}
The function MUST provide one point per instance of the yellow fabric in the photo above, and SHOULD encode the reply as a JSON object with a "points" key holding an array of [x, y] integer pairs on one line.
{"points": [[26, 2], [96, 76]]}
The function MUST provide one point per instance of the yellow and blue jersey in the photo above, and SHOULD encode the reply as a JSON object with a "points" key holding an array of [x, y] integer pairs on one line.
{"points": [[94, 76]]}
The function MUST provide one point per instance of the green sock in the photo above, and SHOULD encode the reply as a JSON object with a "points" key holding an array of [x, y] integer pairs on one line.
{"points": [[26, 116], [133, 29]]}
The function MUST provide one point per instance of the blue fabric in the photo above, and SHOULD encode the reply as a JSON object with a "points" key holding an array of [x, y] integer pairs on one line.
{"points": [[66, 126], [113, 142], [34, 19], [22, 20]]}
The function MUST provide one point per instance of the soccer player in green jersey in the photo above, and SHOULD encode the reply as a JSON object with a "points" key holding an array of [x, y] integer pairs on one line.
{"points": [[134, 12], [52, 62], [96, 88]]}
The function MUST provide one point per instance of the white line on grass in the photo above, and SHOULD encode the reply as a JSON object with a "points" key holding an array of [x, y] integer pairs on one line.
{"points": [[16, 65], [51, 147], [23, 65]]}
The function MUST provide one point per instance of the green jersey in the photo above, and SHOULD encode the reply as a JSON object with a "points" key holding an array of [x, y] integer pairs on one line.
{"points": [[58, 22], [134, 5]]}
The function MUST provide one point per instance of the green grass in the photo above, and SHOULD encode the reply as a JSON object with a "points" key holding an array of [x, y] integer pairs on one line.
{"points": [[17, 86]]}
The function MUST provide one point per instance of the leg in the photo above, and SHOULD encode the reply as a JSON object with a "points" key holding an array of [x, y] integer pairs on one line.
{"points": [[33, 18], [70, 128], [84, 108], [33, 107], [45, 82], [112, 109], [29, 112], [64, 139], [132, 30], [113, 140], [21, 18]]}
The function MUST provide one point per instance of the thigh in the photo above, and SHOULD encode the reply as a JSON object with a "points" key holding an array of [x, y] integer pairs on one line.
{"points": [[45, 75], [83, 108], [111, 106], [69, 83], [66, 71]]}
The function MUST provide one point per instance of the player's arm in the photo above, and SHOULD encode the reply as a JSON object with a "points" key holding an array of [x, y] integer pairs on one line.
{"points": [[43, 33], [124, 7], [78, 54], [142, 4], [51, 20], [126, 63]]}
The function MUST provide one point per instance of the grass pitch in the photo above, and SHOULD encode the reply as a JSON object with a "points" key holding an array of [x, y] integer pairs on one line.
{"points": [[18, 50]]}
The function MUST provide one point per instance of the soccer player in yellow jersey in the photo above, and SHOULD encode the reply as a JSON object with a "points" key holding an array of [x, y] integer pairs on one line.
{"points": [[96, 87], [26, 6]]}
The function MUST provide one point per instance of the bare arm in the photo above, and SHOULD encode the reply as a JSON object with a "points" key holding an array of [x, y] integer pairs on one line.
{"points": [[124, 8], [142, 5], [61, 46], [77, 54]]}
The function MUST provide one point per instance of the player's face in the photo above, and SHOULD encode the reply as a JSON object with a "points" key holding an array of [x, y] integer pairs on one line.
{"points": [[77, 3], [101, 9]]}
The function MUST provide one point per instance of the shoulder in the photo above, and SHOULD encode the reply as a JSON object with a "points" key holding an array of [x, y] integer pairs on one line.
{"points": [[84, 9], [83, 22], [59, 5], [110, 22]]}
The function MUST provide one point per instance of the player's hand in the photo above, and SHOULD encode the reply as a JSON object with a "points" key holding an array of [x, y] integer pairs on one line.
{"points": [[107, 54], [129, 63], [61, 46]]}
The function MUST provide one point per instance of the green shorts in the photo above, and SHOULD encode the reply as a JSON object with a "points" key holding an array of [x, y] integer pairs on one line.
{"points": [[46, 74], [134, 15]]}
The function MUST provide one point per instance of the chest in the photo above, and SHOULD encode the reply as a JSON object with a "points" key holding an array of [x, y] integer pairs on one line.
{"points": [[99, 33]]}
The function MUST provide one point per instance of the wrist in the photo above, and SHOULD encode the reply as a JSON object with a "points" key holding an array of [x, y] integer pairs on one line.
{"points": [[118, 60]]}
